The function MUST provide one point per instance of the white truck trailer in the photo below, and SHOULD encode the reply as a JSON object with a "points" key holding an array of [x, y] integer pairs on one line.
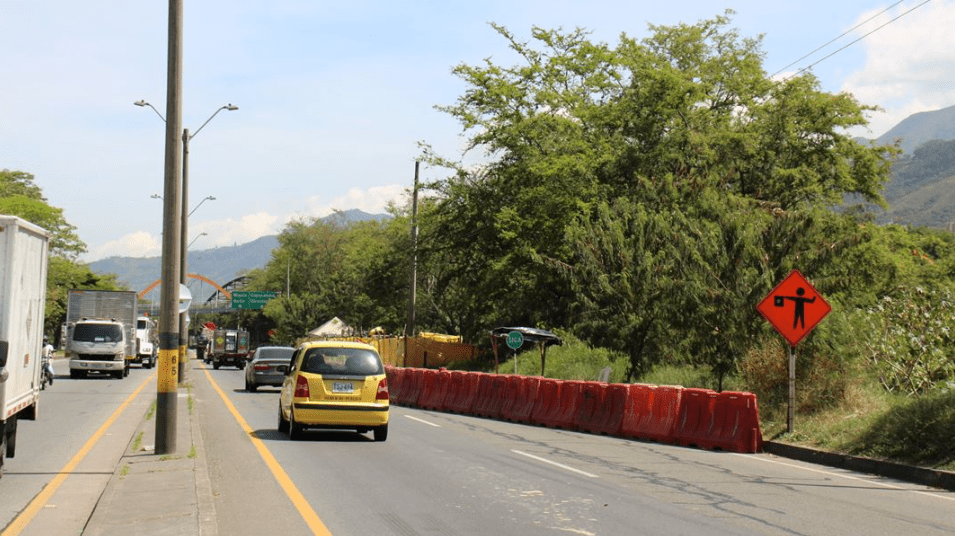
{"points": [[23, 272], [101, 331]]}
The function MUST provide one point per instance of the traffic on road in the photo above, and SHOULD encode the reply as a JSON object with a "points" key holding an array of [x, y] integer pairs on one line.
{"points": [[437, 472]]}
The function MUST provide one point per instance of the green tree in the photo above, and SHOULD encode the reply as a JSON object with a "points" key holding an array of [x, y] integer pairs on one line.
{"points": [[670, 178], [19, 196]]}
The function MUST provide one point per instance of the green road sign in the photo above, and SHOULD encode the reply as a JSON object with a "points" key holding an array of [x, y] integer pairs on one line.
{"points": [[515, 340], [255, 299]]}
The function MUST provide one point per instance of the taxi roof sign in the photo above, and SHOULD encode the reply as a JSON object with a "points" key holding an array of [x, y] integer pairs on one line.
{"points": [[794, 307]]}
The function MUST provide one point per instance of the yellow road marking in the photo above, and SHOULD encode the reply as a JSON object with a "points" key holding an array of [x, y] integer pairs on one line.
{"points": [[25, 517], [305, 509]]}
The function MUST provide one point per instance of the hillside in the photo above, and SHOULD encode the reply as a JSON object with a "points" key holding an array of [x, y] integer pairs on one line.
{"points": [[920, 191], [922, 127]]}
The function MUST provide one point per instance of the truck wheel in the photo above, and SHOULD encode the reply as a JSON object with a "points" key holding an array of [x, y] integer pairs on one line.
{"points": [[215, 365], [118, 375]]}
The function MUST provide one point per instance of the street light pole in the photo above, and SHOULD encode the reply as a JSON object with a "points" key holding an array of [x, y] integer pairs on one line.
{"points": [[184, 225]]}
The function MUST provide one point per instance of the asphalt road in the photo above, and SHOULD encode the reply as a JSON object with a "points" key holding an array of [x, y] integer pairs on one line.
{"points": [[450, 474], [70, 413]]}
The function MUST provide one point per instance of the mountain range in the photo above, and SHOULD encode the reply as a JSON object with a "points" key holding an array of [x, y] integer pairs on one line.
{"points": [[220, 264], [920, 192]]}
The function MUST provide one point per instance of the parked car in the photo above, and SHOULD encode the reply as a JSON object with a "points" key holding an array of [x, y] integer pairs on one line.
{"points": [[335, 385], [267, 366]]}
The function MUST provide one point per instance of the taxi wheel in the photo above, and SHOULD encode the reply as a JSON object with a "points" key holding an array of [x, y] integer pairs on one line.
{"points": [[381, 432], [283, 424], [294, 428]]}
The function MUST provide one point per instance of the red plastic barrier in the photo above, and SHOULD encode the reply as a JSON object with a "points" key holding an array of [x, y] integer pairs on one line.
{"points": [[434, 395], [609, 419], [736, 419], [413, 381], [524, 399], [566, 417], [637, 410], [695, 424], [659, 423], [548, 402], [425, 387], [463, 391], [490, 396], [394, 375], [589, 405]]}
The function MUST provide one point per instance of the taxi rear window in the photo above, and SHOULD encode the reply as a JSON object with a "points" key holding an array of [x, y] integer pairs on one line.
{"points": [[346, 361]]}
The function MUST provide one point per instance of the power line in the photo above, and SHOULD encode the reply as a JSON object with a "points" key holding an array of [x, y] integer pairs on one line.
{"points": [[810, 66], [837, 38]]}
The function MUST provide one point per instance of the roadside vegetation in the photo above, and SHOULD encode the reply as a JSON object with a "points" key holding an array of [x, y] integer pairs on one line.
{"points": [[639, 200]]}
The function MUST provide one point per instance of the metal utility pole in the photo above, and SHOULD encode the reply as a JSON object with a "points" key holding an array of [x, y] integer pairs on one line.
{"points": [[183, 264], [409, 332], [167, 384]]}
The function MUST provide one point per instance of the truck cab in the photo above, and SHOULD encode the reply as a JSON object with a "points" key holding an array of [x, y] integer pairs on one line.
{"points": [[146, 345], [99, 346]]}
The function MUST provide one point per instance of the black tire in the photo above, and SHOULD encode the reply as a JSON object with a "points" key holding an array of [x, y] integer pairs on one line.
{"points": [[381, 432], [74, 374], [118, 375], [215, 365], [251, 387], [283, 423], [294, 429]]}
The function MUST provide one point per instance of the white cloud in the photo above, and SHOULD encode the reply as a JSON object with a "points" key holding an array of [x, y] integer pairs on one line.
{"points": [[137, 244], [230, 231], [908, 63]]}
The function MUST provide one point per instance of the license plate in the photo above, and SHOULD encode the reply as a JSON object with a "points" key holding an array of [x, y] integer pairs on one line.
{"points": [[342, 387]]}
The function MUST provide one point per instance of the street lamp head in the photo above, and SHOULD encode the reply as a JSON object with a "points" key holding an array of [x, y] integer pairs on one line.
{"points": [[156, 196], [141, 103], [231, 107]]}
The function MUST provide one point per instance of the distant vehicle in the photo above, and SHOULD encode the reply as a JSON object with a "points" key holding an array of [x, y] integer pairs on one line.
{"points": [[267, 366], [101, 331], [23, 274], [335, 385], [147, 343], [229, 347]]}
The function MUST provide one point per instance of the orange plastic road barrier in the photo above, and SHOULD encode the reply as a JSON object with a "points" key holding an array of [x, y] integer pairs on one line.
{"points": [[435, 390], [637, 410], [659, 422], [523, 397], [736, 419], [589, 405], [566, 417], [695, 424], [548, 402], [394, 375], [608, 420], [462, 392], [490, 396], [511, 394], [416, 386]]}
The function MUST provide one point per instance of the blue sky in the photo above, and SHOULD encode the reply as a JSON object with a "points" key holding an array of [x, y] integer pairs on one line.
{"points": [[334, 96]]}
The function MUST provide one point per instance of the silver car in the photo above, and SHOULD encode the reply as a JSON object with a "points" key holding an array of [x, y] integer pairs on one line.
{"points": [[267, 367]]}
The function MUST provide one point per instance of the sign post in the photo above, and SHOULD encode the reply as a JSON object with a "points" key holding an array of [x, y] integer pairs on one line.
{"points": [[515, 340], [794, 308]]}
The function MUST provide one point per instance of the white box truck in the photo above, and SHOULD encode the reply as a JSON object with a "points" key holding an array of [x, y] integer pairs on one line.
{"points": [[23, 272], [101, 331]]}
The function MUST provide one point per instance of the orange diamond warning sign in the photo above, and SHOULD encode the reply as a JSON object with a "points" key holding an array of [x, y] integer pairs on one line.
{"points": [[794, 307]]}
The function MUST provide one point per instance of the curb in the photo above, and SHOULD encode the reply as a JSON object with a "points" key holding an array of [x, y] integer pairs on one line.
{"points": [[908, 473]]}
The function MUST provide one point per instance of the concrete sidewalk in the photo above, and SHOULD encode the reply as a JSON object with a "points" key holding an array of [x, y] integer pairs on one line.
{"points": [[152, 494]]}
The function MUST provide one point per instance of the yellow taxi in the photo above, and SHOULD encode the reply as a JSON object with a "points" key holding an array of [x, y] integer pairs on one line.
{"points": [[334, 385]]}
